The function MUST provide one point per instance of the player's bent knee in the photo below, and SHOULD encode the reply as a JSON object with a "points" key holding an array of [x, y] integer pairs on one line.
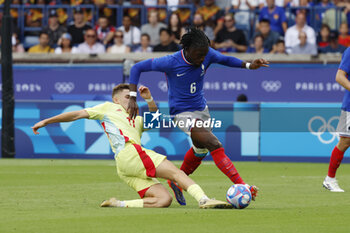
{"points": [[213, 145], [344, 143], [165, 201]]}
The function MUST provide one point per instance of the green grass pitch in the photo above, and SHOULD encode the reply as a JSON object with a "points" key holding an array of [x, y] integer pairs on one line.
{"points": [[64, 196]]}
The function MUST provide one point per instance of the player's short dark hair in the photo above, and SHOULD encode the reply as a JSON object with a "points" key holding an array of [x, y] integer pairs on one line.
{"points": [[119, 88], [264, 21], [194, 38]]}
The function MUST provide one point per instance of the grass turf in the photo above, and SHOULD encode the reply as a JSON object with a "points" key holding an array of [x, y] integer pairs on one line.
{"points": [[64, 196]]}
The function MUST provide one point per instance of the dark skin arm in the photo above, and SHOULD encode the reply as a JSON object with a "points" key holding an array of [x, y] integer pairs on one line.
{"points": [[132, 107], [256, 64]]}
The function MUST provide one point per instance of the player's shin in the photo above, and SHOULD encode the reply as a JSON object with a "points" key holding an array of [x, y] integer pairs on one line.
{"points": [[196, 192], [334, 163], [226, 166], [192, 160]]}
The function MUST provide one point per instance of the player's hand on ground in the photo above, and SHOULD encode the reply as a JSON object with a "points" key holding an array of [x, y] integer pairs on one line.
{"points": [[257, 63], [133, 109], [145, 93], [37, 126]]}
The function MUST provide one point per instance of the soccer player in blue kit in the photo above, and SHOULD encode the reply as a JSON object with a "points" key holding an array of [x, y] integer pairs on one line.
{"points": [[343, 128], [185, 72]]}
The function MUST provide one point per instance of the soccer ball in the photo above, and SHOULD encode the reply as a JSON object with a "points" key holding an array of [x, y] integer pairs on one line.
{"points": [[239, 196]]}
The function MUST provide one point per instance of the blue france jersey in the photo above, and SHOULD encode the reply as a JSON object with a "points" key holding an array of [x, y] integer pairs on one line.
{"points": [[185, 81], [345, 66]]}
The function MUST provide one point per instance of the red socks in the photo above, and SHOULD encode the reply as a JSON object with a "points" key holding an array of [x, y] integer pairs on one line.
{"points": [[226, 166], [191, 162], [336, 158]]}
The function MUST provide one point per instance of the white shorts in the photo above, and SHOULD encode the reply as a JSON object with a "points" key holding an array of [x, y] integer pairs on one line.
{"points": [[343, 128], [192, 117], [186, 117]]}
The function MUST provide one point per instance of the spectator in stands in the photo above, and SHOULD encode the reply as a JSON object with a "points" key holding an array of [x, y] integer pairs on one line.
{"points": [[198, 22], [167, 43], [292, 34], [321, 8], [279, 47], [131, 33], [77, 28], [323, 37], [109, 13], [105, 31], [344, 37], [304, 47], [212, 14], [230, 39], [258, 46], [279, 3], [269, 37], [305, 8], [153, 27], [334, 46], [33, 17], [331, 16], [145, 44], [119, 46], [276, 15], [172, 4], [243, 15], [347, 11], [65, 44], [150, 2], [162, 12], [90, 45], [184, 13], [174, 24], [43, 46], [54, 29], [17, 47]]}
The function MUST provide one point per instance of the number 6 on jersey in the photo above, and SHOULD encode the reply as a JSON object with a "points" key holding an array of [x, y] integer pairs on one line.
{"points": [[193, 88]]}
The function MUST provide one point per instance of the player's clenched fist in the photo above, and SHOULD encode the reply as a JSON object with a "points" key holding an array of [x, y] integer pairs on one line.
{"points": [[145, 93]]}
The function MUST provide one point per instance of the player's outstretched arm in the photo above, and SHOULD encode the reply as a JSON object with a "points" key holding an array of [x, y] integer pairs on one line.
{"points": [[342, 79], [145, 93], [135, 73], [257, 63], [64, 117], [217, 57]]}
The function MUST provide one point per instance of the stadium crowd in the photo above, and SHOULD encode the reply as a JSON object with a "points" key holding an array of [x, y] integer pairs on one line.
{"points": [[251, 26]]}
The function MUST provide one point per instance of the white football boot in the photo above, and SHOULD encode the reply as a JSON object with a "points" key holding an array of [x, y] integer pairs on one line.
{"points": [[332, 185], [112, 202]]}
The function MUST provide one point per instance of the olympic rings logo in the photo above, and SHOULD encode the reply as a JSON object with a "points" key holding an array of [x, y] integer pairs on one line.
{"points": [[325, 126], [64, 87], [271, 86]]}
